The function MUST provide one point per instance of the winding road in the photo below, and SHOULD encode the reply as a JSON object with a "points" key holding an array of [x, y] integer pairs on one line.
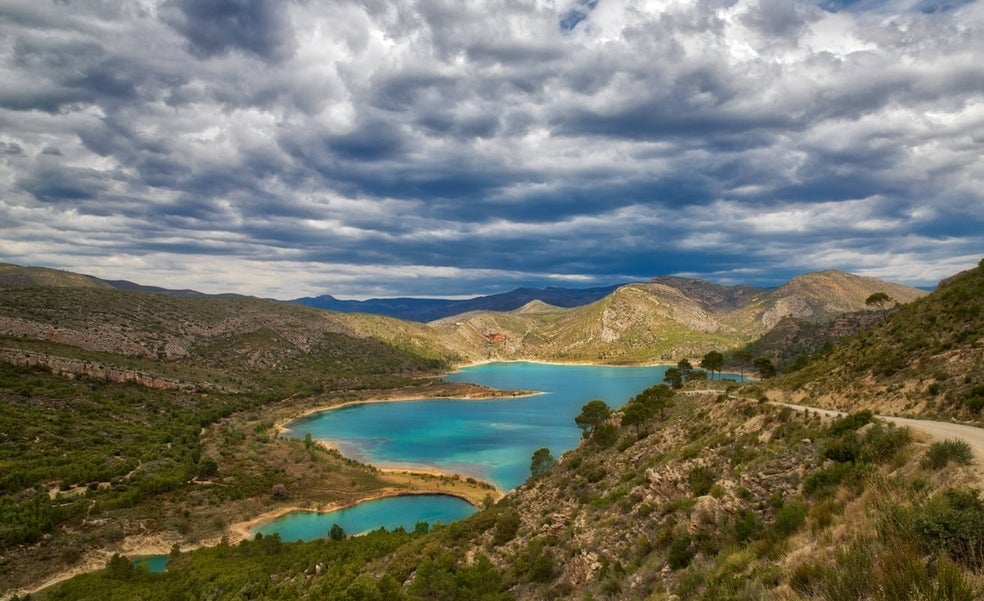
{"points": [[937, 430]]}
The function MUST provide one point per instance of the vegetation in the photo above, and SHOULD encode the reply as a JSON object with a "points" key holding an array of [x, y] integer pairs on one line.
{"points": [[593, 414], [925, 357], [715, 496]]}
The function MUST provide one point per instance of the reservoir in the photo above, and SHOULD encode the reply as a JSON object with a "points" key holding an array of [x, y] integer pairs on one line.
{"points": [[489, 439], [390, 513]]}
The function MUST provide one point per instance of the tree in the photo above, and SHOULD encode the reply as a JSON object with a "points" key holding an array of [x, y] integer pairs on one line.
{"points": [[673, 377], [635, 413], [656, 398], [592, 414], [712, 362], [765, 367], [336, 532], [685, 366], [542, 462], [879, 299], [742, 358]]}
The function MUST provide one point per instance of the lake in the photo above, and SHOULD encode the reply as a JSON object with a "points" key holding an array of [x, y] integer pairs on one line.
{"points": [[490, 439], [390, 513]]}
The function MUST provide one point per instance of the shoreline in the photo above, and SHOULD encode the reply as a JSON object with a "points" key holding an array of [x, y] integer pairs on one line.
{"points": [[281, 425], [159, 544]]}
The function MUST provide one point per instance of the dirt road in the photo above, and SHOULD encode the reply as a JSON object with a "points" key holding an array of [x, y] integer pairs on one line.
{"points": [[937, 430]]}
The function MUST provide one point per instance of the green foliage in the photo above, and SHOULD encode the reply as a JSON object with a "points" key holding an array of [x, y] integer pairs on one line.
{"points": [[943, 452], [593, 413], [535, 563], [849, 422], [681, 552], [878, 299], [822, 483], [654, 400], [712, 362], [674, 377], [974, 398], [953, 522], [605, 435], [336, 532], [765, 367], [701, 479], [541, 462], [506, 527], [789, 518]]}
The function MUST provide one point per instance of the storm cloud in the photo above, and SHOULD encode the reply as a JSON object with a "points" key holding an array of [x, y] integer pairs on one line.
{"points": [[439, 148]]}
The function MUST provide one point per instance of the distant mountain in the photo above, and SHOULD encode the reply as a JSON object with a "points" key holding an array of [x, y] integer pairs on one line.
{"points": [[425, 310], [665, 319], [713, 297]]}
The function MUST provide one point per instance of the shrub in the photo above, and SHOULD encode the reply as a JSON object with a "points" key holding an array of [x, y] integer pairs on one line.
{"points": [[953, 522], [942, 453], [681, 552], [701, 479], [883, 444], [849, 422], [789, 518], [506, 527], [822, 483]]}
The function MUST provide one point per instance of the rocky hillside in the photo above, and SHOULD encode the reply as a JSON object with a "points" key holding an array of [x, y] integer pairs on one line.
{"points": [[926, 357], [666, 319], [724, 498], [225, 342], [817, 298]]}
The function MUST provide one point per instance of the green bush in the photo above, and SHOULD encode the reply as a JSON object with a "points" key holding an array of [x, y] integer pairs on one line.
{"points": [[680, 553], [822, 483], [953, 522], [790, 518], [701, 479], [942, 453], [506, 527]]}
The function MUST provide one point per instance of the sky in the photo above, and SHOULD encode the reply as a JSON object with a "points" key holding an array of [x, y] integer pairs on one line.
{"points": [[452, 148]]}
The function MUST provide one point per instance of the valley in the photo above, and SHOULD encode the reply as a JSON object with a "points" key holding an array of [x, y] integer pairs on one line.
{"points": [[132, 416]]}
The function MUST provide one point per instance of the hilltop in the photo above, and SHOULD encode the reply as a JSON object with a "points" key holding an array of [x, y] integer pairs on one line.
{"points": [[430, 309]]}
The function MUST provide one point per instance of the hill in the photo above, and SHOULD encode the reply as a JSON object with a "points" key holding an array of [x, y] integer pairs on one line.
{"points": [[133, 419], [424, 309], [666, 319], [215, 342], [926, 357], [16, 275]]}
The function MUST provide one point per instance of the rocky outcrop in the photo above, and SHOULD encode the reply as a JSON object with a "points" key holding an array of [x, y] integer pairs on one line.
{"points": [[73, 368]]}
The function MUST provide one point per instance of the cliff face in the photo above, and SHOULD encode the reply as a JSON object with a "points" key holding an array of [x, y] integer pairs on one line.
{"points": [[74, 368]]}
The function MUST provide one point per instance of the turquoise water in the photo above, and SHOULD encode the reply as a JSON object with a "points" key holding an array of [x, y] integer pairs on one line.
{"points": [[389, 513], [154, 563], [490, 439]]}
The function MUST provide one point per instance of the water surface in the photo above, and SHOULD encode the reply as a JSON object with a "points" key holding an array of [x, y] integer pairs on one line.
{"points": [[390, 513], [490, 439], [154, 564]]}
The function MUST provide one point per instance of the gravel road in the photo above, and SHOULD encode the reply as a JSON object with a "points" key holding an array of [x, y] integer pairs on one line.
{"points": [[937, 430]]}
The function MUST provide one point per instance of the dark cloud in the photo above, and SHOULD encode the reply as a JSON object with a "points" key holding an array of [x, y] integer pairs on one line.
{"points": [[216, 27], [432, 147]]}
